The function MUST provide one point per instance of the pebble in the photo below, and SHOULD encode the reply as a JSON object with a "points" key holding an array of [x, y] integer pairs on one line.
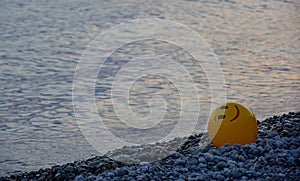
{"points": [[241, 158], [110, 174], [175, 155], [291, 159], [274, 155], [220, 177], [208, 157], [79, 178], [202, 160], [201, 165], [221, 165], [144, 163], [69, 168], [121, 171], [180, 162]]}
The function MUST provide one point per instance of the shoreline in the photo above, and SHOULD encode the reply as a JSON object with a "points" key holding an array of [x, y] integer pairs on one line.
{"points": [[274, 155]]}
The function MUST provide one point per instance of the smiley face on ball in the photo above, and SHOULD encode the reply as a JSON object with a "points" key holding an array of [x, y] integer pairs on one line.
{"points": [[232, 123], [228, 112]]}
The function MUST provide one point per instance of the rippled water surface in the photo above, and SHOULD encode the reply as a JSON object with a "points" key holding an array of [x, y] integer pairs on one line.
{"points": [[256, 43]]}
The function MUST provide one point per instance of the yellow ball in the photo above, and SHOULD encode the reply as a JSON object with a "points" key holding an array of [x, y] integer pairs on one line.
{"points": [[232, 123]]}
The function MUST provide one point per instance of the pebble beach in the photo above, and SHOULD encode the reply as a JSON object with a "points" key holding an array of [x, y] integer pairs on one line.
{"points": [[275, 155]]}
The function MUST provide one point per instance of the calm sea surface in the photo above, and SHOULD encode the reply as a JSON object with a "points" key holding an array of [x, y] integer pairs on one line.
{"points": [[256, 42]]}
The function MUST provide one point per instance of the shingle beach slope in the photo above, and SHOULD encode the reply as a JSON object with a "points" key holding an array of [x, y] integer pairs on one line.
{"points": [[274, 156]]}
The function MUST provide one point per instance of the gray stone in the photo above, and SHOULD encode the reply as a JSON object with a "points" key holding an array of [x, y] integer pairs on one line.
{"points": [[220, 177], [221, 165], [121, 171], [180, 162], [241, 158], [110, 174], [202, 165], [202, 160], [79, 178], [208, 157]]}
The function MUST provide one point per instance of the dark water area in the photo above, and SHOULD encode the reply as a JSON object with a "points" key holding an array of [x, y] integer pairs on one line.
{"points": [[41, 42]]}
